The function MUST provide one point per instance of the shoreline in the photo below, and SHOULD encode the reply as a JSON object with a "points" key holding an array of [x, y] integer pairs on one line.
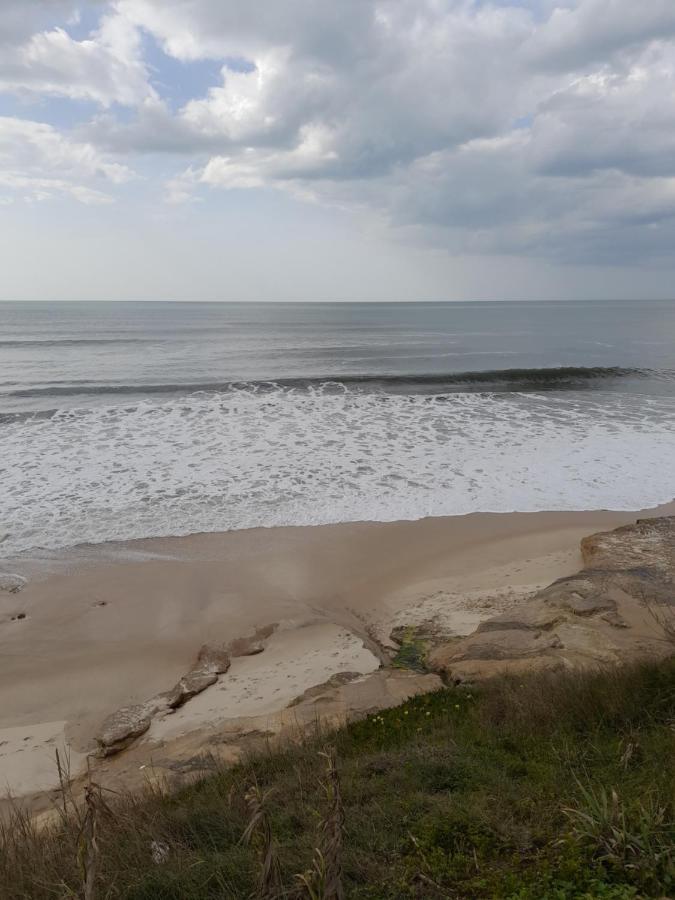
{"points": [[110, 625]]}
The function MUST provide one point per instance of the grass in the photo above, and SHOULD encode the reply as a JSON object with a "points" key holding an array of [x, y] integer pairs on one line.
{"points": [[540, 788]]}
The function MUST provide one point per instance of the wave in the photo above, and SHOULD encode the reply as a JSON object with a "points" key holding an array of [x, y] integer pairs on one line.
{"points": [[240, 460], [554, 378], [68, 342]]}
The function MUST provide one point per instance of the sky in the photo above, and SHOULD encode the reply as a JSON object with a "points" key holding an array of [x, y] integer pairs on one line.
{"points": [[323, 150]]}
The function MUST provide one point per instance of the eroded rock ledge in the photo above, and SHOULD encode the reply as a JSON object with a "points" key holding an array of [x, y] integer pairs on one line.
{"points": [[127, 724], [618, 608]]}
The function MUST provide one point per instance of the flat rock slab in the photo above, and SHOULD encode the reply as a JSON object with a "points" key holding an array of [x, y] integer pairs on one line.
{"points": [[612, 610], [127, 724]]}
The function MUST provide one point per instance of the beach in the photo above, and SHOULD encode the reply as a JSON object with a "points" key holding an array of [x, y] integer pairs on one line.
{"points": [[223, 522], [99, 628]]}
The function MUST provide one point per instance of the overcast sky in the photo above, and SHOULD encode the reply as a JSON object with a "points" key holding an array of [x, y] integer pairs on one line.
{"points": [[337, 149]]}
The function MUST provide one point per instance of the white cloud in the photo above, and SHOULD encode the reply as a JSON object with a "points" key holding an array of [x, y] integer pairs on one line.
{"points": [[543, 128], [37, 162], [106, 67]]}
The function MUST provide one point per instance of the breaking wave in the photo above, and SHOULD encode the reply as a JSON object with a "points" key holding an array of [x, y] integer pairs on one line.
{"points": [[307, 452]]}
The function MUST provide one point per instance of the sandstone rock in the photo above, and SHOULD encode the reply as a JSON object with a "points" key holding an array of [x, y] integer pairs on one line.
{"points": [[532, 616], [191, 684], [501, 644], [212, 659], [123, 727], [211, 662], [581, 596], [650, 543], [253, 644], [620, 607], [614, 619], [319, 691]]}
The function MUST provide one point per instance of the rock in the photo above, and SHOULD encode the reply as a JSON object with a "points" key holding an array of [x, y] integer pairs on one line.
{"points": [[11, 583], [614, 619], [212, 659], [650, 543], [534, 616], [507, 643], [191, 684], [211, 662], [253, 644], [581, 596], [319, 691], [127, 724], [621, 606], [123, 727]]}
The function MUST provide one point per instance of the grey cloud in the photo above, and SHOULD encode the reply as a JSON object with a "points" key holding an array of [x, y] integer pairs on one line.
{"points": [[592, 31], [405, 110]]}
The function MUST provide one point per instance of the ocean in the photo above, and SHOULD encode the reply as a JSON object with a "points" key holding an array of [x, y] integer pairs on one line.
{"points": [[127, 420]]}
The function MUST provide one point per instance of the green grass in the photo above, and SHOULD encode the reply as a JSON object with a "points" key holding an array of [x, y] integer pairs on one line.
{"points": [[529, 788]]}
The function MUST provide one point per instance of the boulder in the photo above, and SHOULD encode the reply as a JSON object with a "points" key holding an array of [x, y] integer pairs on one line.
{"points": [[211, 662], [123, 727], [252, 644], [212, 659], [191, 684]]}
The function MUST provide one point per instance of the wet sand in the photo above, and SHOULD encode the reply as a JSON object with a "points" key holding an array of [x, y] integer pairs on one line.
{"points": [[98, 628]]}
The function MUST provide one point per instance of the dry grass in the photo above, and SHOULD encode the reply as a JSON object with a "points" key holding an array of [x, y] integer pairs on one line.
{"points": [[544, 787]]}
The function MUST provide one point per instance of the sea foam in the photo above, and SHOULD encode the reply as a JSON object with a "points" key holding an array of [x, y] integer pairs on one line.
{"points": [[244, 458]]}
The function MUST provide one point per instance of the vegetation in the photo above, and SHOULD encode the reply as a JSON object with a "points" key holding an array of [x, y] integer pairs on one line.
{"points": [[524, 788]]}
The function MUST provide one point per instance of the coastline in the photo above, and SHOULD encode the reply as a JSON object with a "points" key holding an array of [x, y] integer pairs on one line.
{"points": [[108, 626]]}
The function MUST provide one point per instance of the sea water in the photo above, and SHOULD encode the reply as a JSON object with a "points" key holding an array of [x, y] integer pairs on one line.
{"points": [[125, 420]]}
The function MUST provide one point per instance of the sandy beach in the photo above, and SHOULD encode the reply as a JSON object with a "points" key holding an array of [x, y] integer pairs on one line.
{"points": [[102, 627]]}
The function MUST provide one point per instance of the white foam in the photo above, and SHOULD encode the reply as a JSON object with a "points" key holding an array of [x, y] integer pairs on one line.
{"points": [[209, 462]]}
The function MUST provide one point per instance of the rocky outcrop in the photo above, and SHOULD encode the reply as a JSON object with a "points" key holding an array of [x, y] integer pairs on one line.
{"points": [[649, 544], [619, 607], [211, 662], [127, 724], [253, 644]]}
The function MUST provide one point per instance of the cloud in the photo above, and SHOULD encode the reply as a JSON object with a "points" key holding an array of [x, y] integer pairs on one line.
{"points": [[593, 31], [542, 128], [106, 67], [37, 163]]}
